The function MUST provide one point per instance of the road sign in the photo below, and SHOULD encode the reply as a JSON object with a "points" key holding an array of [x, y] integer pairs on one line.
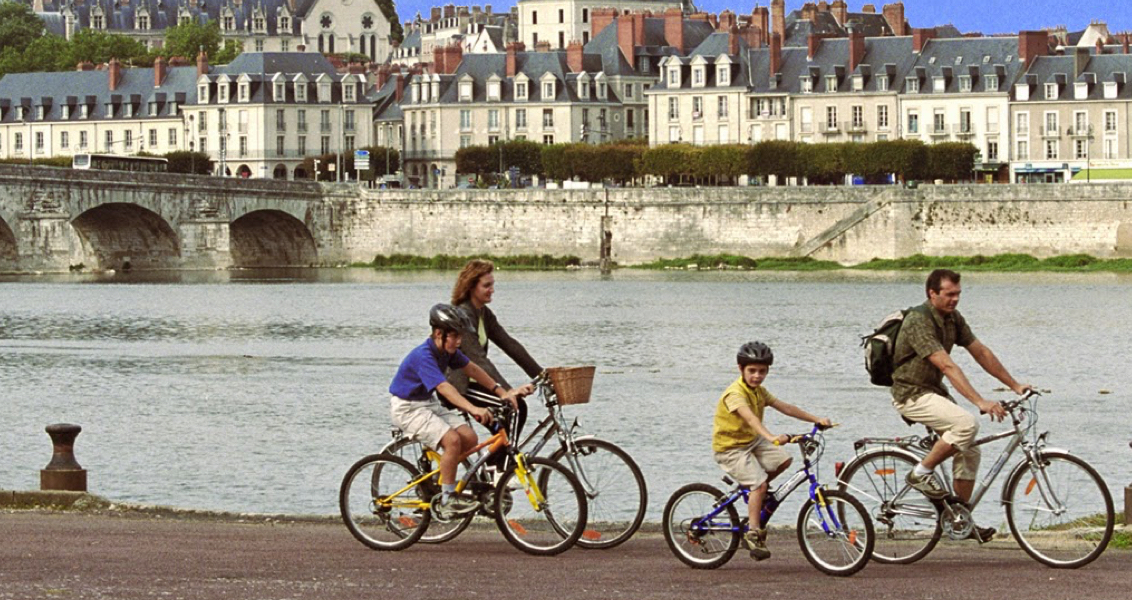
{"points": [[361, 160]]}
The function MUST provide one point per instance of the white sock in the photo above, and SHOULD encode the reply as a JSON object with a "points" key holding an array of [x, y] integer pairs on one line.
{"points": [[447, 489], [920, 470]]}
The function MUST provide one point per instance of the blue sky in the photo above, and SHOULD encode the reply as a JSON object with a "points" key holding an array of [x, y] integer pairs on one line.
{"points": [[987, 16]]}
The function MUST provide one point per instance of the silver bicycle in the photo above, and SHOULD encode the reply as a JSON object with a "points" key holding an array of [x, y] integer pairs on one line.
{"points": [[1057, 506], [613, 483]]}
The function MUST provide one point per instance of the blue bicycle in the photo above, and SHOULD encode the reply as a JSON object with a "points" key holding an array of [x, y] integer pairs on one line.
{"points": [[703, 528]]}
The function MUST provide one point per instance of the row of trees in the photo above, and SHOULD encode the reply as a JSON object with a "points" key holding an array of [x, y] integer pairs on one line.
{"points": [[622, 162]]}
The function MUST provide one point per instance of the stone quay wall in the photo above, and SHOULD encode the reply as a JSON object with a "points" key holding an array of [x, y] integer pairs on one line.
{"points": [[845, 224]]}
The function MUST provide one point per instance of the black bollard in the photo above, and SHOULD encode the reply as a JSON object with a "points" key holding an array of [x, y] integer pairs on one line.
{"points": [[63, 472]]}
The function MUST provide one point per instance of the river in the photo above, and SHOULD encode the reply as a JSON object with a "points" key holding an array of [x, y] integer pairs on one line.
{"points": [[253, 391]]}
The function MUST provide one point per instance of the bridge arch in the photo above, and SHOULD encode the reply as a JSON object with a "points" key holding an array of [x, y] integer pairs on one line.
{"points": [[271, 238], [9, 251], [126, 236]]}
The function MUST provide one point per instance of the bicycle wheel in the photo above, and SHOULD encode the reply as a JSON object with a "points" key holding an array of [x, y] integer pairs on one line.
{"points": [[906, 521], [837, 537], [699, 531], [615, 491], [1059, 510], [382, 525], [552, 516], [438, 531]]}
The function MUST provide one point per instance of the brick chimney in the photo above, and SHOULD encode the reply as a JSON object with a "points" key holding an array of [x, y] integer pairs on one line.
{"points": [[674, 29], [1126, 40], [179, 61], [761, 19], [439, 59], [399, 87], [639, 26], [600, 18], [455, 57], [86, 65], [869, 9], [159, 72], [920, 38], [382, 76], [755, 37], [813, 44], [1100, 46], [809, 12], [1032, 44], [894, 14], [733, 40], [727, 20], [202, 63], [542, 46], [840, 11], [823, 6], [435, 14], [778, 19], [115, 70], [574, 56], [856, 48], [627, 39], [512, 59], [775, 53]]}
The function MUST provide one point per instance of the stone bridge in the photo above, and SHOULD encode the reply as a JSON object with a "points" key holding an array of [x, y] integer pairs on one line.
{"points": [[54, 219]]}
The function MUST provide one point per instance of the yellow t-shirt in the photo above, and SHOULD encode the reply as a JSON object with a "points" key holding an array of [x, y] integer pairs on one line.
{"points": [[729, 430]]}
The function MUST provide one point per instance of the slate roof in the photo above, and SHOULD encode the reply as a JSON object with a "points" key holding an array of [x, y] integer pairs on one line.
{"points": [[975, 57], [534, 65], [93, 89], [799, 29], [654, 46], [1097, 71], [164, 13]]}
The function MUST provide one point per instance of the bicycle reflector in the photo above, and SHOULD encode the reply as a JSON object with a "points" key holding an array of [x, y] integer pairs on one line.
{"points": [[837, 466]]}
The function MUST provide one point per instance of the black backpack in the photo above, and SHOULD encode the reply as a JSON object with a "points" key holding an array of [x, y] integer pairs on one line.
{"points": [[880, 347]]}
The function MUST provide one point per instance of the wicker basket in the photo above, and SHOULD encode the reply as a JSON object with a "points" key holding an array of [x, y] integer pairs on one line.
{"points": [[572, 385]]}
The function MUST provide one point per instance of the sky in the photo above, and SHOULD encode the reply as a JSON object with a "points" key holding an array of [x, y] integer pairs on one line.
{"points": [[986, 16]]}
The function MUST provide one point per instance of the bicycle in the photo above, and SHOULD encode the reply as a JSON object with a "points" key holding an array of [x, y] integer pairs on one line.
{"points": [[703, 528], [1057, 506], [615, 488], [388, 504]]}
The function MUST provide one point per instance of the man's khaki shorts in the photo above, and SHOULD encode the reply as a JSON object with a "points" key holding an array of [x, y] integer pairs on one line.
{"points": [[749, 465], [424, 420], [955, 425]]}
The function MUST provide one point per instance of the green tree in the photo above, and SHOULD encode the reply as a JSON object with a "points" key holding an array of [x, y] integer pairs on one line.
{"points": [[188, 39], [92, 45], [183, 161], [19, 26], [229, 52], [396, 31], [951, 161], [523, 154], [478, 160]]}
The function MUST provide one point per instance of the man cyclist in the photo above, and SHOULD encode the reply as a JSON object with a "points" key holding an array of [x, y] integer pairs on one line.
{"points": [[923, 359]]}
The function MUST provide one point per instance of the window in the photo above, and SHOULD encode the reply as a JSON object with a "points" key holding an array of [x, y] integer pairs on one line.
{"points": [[324, 122], [1051, 124], [584, 91], [721, 107], [108, 141], [561, 16], [629, 118], [723, 75], [548, 139], [521, 91], [1051, 91], [152, 138], [548, 90], [547, 118], [521, 118], [697, 107], [990, 82], [913, 122], [992, 151], [302, 121], [831, 83], [302, 147], [965, 83], [171, 138], [1081, 122], [534, 17], [64, 140], [349, 92], [1022, 124], [465, 120], [858, 83], [1051, 149], [18, 142], [992, 119], [325, 146], [561, 39], [84, 111], [913, 85], [1081, 149], [831, 118], [628, 91], [259, 45], [1110, 148], [673, 108], [965, 120], [465, 141], [243, 146], [349, 122], [493, 90], [286, 45], [1110, 121], [858, 117], [882, 84], [698, 76], [807, 119], [882, 117], [280, 120], [807, 85], [349, 143], [465, 91], [83, 140], [1023, 152], [493, 119], [300, 92], [674, 77], [724, 134], [129, 142], [222, 92], [939, 121], [674, 133]]}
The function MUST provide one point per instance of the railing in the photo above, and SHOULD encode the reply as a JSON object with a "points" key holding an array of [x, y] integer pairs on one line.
{"points": [[324, 127], [962, 130], [301, 127], [938, 131], [830, 128], [280, 126], [856, 126], [1051, 133]]}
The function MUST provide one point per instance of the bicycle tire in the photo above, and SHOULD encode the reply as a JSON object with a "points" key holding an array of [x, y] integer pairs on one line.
{"points": [[392, 527], [705, 547], [551, 527], [438, 531], [617, 482], [1063, 541], [836, 550], [906, 531]]}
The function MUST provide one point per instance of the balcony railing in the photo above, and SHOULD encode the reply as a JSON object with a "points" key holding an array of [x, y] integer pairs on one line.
{"points": [[939, 131], [1051, 133], [856, 126], [963, 131], [280, 126], [829, 128]]}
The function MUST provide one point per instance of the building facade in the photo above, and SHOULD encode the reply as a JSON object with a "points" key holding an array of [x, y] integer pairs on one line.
{"points": [[559, 22]]}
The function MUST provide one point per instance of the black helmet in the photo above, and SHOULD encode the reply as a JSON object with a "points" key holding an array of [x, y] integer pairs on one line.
{"points": [[755, 353], [448, 318]]}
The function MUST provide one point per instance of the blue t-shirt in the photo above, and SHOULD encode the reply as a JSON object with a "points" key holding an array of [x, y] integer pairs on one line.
{"points": [[423, 370]]}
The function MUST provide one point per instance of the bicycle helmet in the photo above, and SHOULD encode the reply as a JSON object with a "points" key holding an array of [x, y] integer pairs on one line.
{"points": [[755, 353], [448, 318]]}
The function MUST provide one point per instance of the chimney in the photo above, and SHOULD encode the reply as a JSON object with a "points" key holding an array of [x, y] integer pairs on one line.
{"points": [[574, 56], [382, 76], [1081, 58], [775, 53], [1032, 44], [856, 48], [754, 36], [512, 60], [159, 72], [674, 29], [727, 20], [626, 39], [86, 65], [1127, 40], [399, 89], [823, 6], [639, 27], [920, 38], [1100, 46], [778, 20], [542, 46], [600, 18], [179, 61], [115, 74], [840, 11], [449, 11], [761, 18], [202, 64], [356, 68], [733, 41], [809, 12], [435, 14], [455, 57], [894, 14], [813, 44], [869, 9]]}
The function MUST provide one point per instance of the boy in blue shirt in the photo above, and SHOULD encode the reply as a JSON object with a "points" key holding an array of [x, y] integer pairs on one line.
{"points": [[421, 415]]}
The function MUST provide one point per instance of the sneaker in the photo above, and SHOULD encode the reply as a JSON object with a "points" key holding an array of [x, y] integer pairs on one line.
{"points": [[982, 534], [457, 504], [928, 485], [756, 543]]}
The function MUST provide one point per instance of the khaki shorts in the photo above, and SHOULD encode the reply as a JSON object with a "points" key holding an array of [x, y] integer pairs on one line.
{"points": [[750, 465], [955, 425], [426, 421]]}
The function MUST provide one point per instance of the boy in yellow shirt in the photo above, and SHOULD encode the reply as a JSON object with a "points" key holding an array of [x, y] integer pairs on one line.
{"points": [[743, 446]]}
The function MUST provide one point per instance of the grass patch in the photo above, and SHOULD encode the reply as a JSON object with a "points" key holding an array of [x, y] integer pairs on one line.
{"points": [[445, 262], [743, 263], [1000, 262]]}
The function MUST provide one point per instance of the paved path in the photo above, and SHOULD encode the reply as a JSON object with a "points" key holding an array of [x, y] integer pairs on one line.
{"points": [[69, 555]]}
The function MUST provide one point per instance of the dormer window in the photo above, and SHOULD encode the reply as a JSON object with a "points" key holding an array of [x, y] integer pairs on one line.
{"points": [[723, 75], [494, 91], [698, 76], [84, 111], [174, 108], [258, 24], [601, 90], [964, 83], [285, 24], [142, 21], [882, 84], [674, 77], [40, 111], [1080, 91], [939, 84], [913, 85], [1110, 90], [807, 85], [66, 111], [153, 109], [244, 92], [324, 91], [584, 90], [465, 91], [858, 83], [280, 93], [348, 92], [300, 91], [222, 92], [991, 83], [831, 83], [548, 90], [1021, 92], [129, 110], [520, 90], [1051, 91]]}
